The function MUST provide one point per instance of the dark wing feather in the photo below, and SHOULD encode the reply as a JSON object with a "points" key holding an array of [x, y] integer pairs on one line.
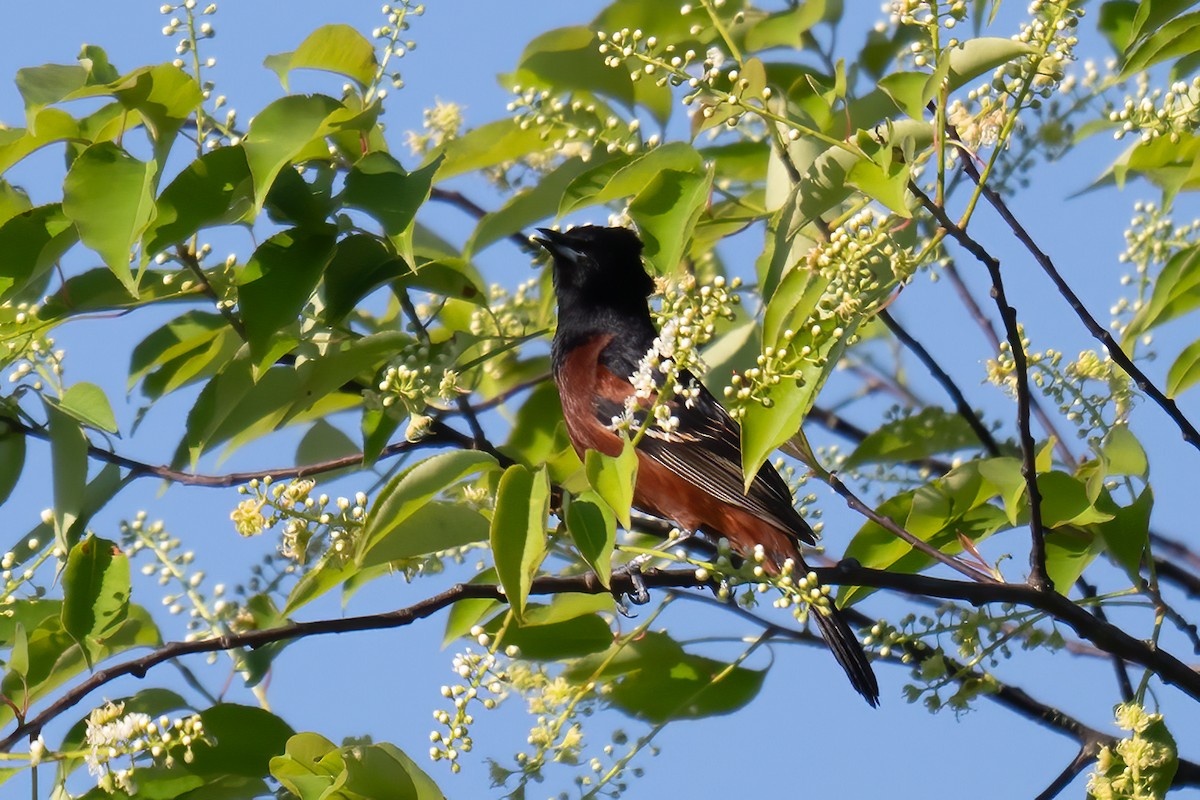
{"points": [[706, 451]]}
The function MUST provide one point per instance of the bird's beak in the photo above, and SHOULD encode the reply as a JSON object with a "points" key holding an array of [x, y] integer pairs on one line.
{"points": [[558, 244]]}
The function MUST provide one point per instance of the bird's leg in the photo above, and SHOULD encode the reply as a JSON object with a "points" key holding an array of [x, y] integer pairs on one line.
{"points": [[640, 596]]}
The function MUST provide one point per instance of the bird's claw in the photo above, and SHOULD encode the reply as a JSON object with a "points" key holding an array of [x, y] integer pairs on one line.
{"points": [[639, 596]]}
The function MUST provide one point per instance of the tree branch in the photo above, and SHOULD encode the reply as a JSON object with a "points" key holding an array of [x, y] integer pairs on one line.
{"points": [[1098, 331], [1008, 315], [943, 378], [985, 325], [1078, 764]]}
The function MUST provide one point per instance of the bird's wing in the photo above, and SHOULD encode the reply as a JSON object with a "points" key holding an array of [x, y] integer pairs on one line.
{"points": [[705, 449]]}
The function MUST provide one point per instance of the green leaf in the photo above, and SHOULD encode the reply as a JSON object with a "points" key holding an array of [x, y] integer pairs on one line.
{"points": [[379, 185], [888, 185], [614, 180], [51, 125], [242, 741], [518, 534], [926, 433], [466, 614], [593, 528], [784, 28], [1116, 23], [69, 456], [489, 145], [18, 654], [1176, 292], [360, 264], [907, 90], [55, 657], [313, 768], [48, 84], [1185, 371], [1179, 37], [13, 201], [1123, 453], [109, 195], [572, 637], [87, 403], [96, 589], [12, 459], [215, 189], [977, 56], [654, 679], [180, 336], [613, 478], [324, 442], [1127, 534], [339, 49], [666, 212], [281, 132], [1065, 501], [414, 488], [431, 528], [567, 59], [1069, 551], [278, 280]]}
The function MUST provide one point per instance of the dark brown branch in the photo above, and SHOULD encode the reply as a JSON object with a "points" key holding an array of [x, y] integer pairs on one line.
{"points": [[1103, 635], [1106, 636], [943, 378], [441, 436], [1086, 755], [621, 583], [985, 325], [1098, 331], [1008, 315]]}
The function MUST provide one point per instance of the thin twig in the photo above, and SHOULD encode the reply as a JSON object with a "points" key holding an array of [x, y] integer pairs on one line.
{"points": [[890, 525], [1008, 315], [985, 325], [187, 257], [1098, 331], [1123, 682], [943, 378]]}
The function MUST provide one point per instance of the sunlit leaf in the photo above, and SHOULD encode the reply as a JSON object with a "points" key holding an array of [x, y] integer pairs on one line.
{"points": [[109, 195], [1185, 371], [518, 533], [88, 404], [339, 49], [96, 590], [593, 528]]}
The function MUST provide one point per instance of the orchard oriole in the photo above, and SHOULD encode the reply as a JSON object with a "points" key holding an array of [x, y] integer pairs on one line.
{"points": [[691, 475]]}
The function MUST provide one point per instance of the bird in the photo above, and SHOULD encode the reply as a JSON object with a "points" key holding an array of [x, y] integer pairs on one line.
{"points": [[691, 475]]}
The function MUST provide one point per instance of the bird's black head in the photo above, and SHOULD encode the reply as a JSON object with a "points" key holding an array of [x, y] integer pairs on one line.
{"points": [[601, 265]]}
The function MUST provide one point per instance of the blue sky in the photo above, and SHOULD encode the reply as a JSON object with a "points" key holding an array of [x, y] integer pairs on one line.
{"points": [[807, 732]]}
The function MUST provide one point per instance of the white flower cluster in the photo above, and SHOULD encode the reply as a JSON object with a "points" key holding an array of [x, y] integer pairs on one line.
{"points": [[112, 734], [442, 123], [311, 525], [571, 125], [394, 46], [687, 321], [1173, 113], [480, 673]]}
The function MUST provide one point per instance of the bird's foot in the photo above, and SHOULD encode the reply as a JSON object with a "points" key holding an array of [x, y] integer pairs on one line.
{"points": [[638, 596]]}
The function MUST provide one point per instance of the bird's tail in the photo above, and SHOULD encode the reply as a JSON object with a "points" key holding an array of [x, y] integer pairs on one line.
{"points": [[848, 652]]}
